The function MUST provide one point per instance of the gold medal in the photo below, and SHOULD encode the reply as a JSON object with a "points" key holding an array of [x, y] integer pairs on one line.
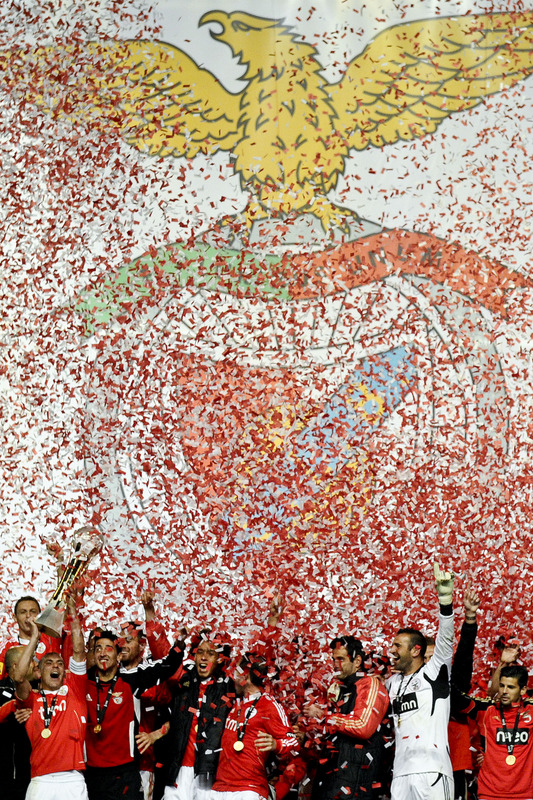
{"points": [[238, 745], [97, 728], [510, 760], [46, 733]]}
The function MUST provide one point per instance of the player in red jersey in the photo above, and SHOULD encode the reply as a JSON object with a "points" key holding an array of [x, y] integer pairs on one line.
{"points": [[113, 718], [132, 652], [256, 726], [56, 726], [506, 728], [26, 609]]}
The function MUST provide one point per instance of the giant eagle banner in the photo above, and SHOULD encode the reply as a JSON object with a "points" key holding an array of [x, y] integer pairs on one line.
{"points": [[267, 307]]}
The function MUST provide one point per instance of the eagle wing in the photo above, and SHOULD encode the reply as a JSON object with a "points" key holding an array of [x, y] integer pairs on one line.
{"points": [[412, 76], [161, 102]]}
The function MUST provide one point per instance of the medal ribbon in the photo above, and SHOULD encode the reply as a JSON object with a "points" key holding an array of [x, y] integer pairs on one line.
{"points": [[511, 744], [241, 729], [48, 711], [100, 712], [399, 697]]}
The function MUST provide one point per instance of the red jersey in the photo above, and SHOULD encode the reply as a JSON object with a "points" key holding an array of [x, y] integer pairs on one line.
{"points": [[114, 744], [157, 639], [244, 770], [47, 644], [6, 709], [459, 743], [63, 750], [499, 780]]}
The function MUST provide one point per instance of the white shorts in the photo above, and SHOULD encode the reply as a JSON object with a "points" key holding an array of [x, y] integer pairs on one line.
{"points": [[147, 781], [58, 786], [186, 787], [422, 786]]}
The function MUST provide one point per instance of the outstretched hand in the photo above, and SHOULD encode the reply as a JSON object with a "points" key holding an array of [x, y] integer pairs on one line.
{"points": [[510, 654], [276, 610], [444, 584], [471, 602], [147, 600]]}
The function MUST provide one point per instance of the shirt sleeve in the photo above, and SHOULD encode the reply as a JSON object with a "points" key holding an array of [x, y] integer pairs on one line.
{"points": [[463, 660], [28, 702], [474, 706], [371, 705], [157, 639], [77, 677], [277, 725], [6, 709], [146, 676], [443, 652]]}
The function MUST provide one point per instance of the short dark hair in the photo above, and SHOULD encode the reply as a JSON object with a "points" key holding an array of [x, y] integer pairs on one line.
{"points": [[516, 671], [107, 635], [23, 599], [217, 638], [94, 633], [416, 638], [257, 666], [354, 647]]}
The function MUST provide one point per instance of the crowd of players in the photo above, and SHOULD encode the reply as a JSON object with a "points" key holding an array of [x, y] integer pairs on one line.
{"points": [[97, 719]]}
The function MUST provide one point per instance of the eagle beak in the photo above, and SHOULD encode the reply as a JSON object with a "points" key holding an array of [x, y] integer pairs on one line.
{"points": [[214, 16]]}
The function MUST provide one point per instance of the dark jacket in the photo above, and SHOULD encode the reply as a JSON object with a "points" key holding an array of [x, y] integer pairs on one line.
{"points": [[15, 750], [217, 701], [348, 766]]}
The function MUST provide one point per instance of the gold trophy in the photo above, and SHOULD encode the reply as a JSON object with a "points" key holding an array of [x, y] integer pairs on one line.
{"points": [[84, 545]]}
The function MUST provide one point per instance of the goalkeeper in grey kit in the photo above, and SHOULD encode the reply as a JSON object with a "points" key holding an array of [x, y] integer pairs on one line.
{"points": [[420, 699]]}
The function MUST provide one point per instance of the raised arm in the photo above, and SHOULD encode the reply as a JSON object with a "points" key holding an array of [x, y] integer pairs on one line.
{"points": [[444, 642], [21, 668], [509, 655], [463, 660], [147, 676], [78, 644], [155, 633], [275, 611]]}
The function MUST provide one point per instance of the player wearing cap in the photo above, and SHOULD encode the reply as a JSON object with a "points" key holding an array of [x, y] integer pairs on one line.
{"points": [[351, 758], [420, 698], [57, 723], [256, 726]]}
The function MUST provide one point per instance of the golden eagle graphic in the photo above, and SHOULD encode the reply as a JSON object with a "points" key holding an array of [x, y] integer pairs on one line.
{"points": [[289, 131]]}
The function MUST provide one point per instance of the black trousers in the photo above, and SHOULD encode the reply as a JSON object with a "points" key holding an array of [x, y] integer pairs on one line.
{"points": [[114, 783]]}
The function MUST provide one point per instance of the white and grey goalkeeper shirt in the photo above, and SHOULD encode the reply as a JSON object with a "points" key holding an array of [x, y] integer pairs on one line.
{"points": [[421, 710]]}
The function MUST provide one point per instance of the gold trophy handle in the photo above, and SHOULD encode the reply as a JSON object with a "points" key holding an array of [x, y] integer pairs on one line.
{"points": [[87, 542]]}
